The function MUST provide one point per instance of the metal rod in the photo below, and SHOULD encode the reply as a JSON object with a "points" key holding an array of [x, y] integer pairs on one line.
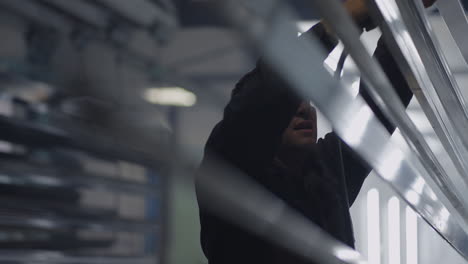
{"points": [[27, 174], [444, 89], [42, 256], [41, 135], [386, 98], [55, 223], [454, 15], [409, 58]]}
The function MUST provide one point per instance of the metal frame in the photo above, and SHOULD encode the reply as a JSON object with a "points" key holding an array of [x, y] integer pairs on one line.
{"points": [[266, 25], [431, 79], [386, 98], [428, 86], [454, 15]]}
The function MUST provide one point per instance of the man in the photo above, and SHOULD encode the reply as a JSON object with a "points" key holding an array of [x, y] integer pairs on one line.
{"points": [[271, 135]]}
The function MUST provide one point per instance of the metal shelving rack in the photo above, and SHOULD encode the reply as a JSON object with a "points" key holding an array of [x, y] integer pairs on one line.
{"points": [[53, 183]]}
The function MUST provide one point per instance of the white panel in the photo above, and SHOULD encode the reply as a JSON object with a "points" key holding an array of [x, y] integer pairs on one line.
{"points": [[394, 249], [373, 223]]}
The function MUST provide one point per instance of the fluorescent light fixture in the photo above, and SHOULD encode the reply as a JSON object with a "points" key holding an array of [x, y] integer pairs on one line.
{"points": [[393, 231], [174, 96], [373, 226], [411, 236]]}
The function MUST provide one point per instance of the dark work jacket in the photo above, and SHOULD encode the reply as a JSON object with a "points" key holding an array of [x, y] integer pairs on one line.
{"points": [[248, 137]]}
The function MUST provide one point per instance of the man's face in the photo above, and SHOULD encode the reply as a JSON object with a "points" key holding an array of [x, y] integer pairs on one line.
{"points": [[301, 132]]}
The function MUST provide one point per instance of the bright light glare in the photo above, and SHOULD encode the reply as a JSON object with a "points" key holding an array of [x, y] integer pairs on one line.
{"points": [[5, 146], [303, 26], [412, 197], [373, 226], [355, 87], [390, 10], [5, 179], [394, 231], [46, 180], [174, 96], [444, 216], [411, 236], [358, 125], [418, 185], [347, 255], [392, 164], [332, 60], [432, 195]]}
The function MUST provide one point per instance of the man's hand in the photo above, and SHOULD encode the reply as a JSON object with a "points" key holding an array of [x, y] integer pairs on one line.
{"points": [[359, 12], [357, 9]]}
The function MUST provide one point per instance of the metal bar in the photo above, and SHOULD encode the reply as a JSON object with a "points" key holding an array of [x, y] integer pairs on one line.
{"points": [[446, 88], [386, 98], [55, 223], [454, 15], [454, 95], [41, 135], [352, 119], [48, 206], [42, 256], [401, 44], [25, 173]]}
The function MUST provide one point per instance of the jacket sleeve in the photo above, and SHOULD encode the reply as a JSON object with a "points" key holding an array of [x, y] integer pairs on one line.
{"points": [[356, 170], [260, 108]]}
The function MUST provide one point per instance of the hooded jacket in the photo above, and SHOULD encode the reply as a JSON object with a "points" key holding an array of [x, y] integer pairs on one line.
{"points": [[248, 137]]}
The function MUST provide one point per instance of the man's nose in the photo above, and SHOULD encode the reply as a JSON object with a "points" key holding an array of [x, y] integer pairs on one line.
{"points": [[306, 111]]}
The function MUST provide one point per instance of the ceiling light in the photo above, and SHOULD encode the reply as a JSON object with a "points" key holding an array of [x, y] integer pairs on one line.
{"points": [[174, 96]]}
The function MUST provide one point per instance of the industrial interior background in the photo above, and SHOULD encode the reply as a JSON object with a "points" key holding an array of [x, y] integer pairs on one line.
{"points": [[88, 65]]}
